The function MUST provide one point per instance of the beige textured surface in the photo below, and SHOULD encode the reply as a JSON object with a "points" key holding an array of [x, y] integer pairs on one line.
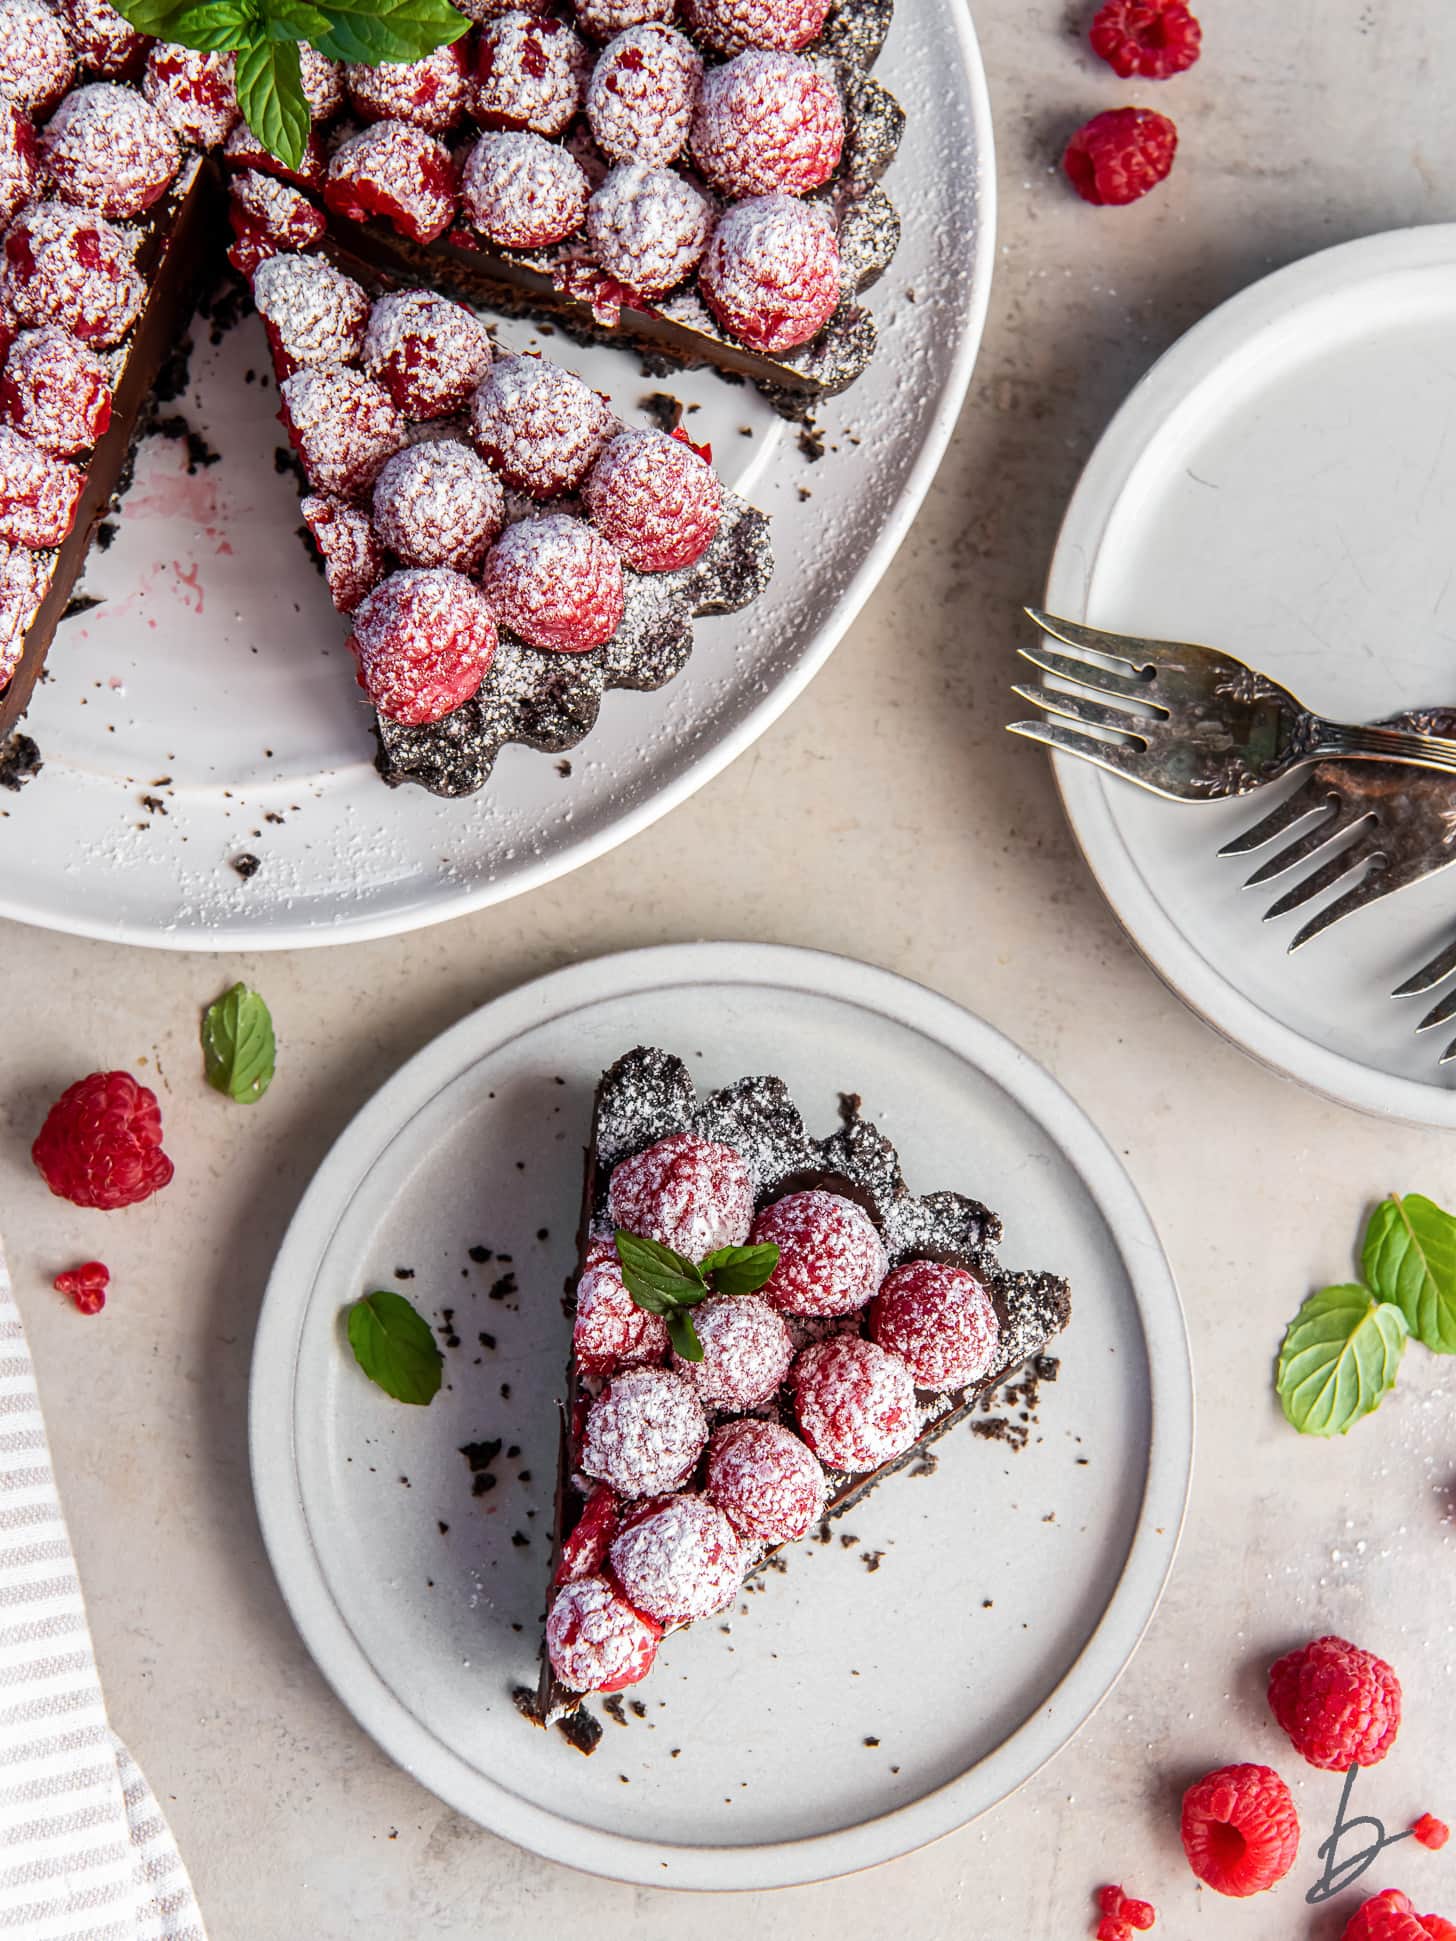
{"points": [[928, 842]]}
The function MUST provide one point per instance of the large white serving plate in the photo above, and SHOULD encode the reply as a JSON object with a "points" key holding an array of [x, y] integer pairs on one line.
{"points": [[1283, 484], [1013, 1586], [217, 660]]}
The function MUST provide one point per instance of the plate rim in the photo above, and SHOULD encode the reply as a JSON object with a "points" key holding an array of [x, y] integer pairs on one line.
{"points": [[1188, 363], [385, 1716]]}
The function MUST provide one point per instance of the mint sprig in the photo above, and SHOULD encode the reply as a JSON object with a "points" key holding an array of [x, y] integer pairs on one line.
{"points": [[662, 1281], [1339, 1360], [1409, 1257], [394, 1346], [239, 1051]]}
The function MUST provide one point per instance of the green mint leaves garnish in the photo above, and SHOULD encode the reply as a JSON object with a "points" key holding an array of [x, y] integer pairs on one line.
{"points": [[669, 1284], [393, 1344], [1409, 1257], [239, 1052]]}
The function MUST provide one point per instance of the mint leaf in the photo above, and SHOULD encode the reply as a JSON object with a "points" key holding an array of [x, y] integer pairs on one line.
{"points": [[214, 26], [395, 1347], [1409, 1257], [270, 94], [239, 1052], [683, 1335], [658, 1279], [1339, 1359], [293, 20], [739, 1270], [154, 16], [388, 30]]}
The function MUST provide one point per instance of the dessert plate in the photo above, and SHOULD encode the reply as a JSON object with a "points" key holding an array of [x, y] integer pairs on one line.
{"points": [[884, 1688], [1281, 484], [217, 662]]}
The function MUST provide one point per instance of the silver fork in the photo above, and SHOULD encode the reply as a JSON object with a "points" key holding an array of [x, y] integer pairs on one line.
{"points": [[1426, 980], [1188, 722]]}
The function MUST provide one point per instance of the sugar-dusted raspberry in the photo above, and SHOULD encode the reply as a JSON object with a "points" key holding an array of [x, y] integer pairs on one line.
{"points": [[768, 1483], [85, 1285], [678, 1559], [101, 40], [62, 266], [644, 1433], [322, 80], [694, 1195], [56, 391], [530, 72], [1151, 38], [424, 640], [538, 425], [268, 216], [655, 499], [595, 1640], [342, 425], [430, 93], [641, 95], [768, 121], [427, 352], [38, 493], [18, 164], [438, 504], [24, 577], [732, 25], [107, 148], [101, 1144], [648, 227], [314, 313], [1392, 1917], [855, 1403], [481, 11], [610, 1330], [770, 274], [522, 192], [831, 1257], [353, 559], [243, 150], [1431, 1833], [1119, 155], [395, 170], [192, 92], [36, 63], [746, 1352], [584, 1552], [940, 1322], [1240, 1829], [603, 19], [555, 583], [1340, 1705]]}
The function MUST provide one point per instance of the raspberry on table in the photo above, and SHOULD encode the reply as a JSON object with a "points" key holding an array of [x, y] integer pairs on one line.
{"points": [[555, 583], [101, 1144], [243, 150], [1119, 155], [644, 1433], [584, 1551], [530, 73], [610, 1331], [38, 493], [1150, 38], [1431, 1833], [424, 640], [1112, 1927], [767, 1482], [85, 1285], [192, 92], [1340, 1705], [427, 352], [640, 99], [538, 425], [655, 499], [677, 1559], [314, 313], [1139, 1915], [768, 122], [64, 266], [1392, 1917], [603, 19], [268, 216], [940, 1322], [831, 1257], [647, 227], [431, 93], [1240, 1829], [55, 391], [770, 273], [342, 425], [353, 558], [24, 577], [394, 170], [19, 164], [746, 1352], [691, 1194], [36, 62], [731, 25], [595, 1641], [438, 504], [522, 191], [855, 1402], [101, 40], [106, 148]]}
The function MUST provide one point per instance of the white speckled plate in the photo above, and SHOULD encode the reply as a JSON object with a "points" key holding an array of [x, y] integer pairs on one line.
{"points": [[845, 1715]]}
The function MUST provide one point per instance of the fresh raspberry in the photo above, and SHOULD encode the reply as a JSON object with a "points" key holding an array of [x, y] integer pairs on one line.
{"points": [[655, 499], [395, 170], [540, 427], [1340, 1705], [1151, 38], [36, 63], [1139, 1915], [86, 1285], [101, 40], [595, 1640], [1119, 155], [644, 1433], [353, 559], [56, 391], [424, 640], [770, 274], [939, 1321], [584, 1552], [855, 1403], [314, 313], [769, 1484], [530, 72], [678, 1559], [1391, 1917], [342, 425], [648, 227], [732, 25], [322, 81], [640, 99], [192, 92], [1112, 1927], [63, 266], [556, 584], [831, 1257], [1431, 1832], [1240, 1829], [522, 192], [101, 1144], [746, 1352], [38, 493], [428, 353], [438, 504], [687, 1193], [610, 1330], [1110, 1899], [243, 150], [107, 148], [268, 216], [430, 93], [604, 19], [766, 122], [24, 577], [18, 162]]}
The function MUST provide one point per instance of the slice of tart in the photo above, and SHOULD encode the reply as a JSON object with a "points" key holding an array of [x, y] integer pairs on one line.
{"points": [[878, 1321]]}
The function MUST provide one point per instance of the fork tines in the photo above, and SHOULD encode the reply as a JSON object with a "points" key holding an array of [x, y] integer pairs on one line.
{"points": [[1111, 736], [1346, 835], [1425, 980]]}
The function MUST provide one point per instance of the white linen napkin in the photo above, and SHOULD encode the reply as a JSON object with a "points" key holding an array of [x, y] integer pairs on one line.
{"points": [[85, 1854]]}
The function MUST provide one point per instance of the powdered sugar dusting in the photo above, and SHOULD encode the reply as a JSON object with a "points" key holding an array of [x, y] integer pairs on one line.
{"points": [[679, 1560], [316, 314], [768, 1482], [746, 1352], [648, 227], [645, 1434], [35, 58], [107, 148], [597, 1642], [642, 93], [856, 1404]]}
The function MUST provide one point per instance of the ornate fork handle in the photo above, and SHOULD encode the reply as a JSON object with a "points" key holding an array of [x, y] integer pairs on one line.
{"points": [[1337, 740]]}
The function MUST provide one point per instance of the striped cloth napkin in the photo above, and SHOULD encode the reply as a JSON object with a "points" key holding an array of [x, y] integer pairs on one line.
{"points": [[85, 1854]]}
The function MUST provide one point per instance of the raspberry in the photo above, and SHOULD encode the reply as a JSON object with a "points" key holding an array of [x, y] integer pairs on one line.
{"points": [[1119, 155], [18, 164], [86, 1285], [62, 266], [939, 1321], [556, 583], [314, 313], [603, 19], [530, 72], [192, 92], [438, 504], [1340, 1705], [731, 25], [768, 1483], [1391, 1917], [640, 99], [38, 493], [678, 1559], [1240, 1829], [322, 80], [101, 1144], [428, 353], [1152, 38], [24, 577], [767, 122], [395, 170], [648, 227], [584, 1552], [424, 641], [540, 427], [831, 1257], [342, 425], [36, 64], [1112, 1927], [1431, 1832], [595, 1640], [855, 1403], [770, 274], [101, 40], [243, 150], [268, 216], [353, 558], [687, 1193], [644, 1433], [1110, 1900], [56, 391], [746, 1352], [522, 192], [430, 93], [107, 148], [1139, 1915], [610, 1330], [655, 499]]}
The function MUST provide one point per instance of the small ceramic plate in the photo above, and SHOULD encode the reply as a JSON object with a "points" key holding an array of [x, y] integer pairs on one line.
{"points": [[1283, 484], [889, 1684]]}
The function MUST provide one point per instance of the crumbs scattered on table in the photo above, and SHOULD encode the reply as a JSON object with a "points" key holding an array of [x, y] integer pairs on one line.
{"points": [[871, 1559], [246, 865], [502, 1289], [445, 1328], [480, 1255], [479, 1456], [20, 762]]}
